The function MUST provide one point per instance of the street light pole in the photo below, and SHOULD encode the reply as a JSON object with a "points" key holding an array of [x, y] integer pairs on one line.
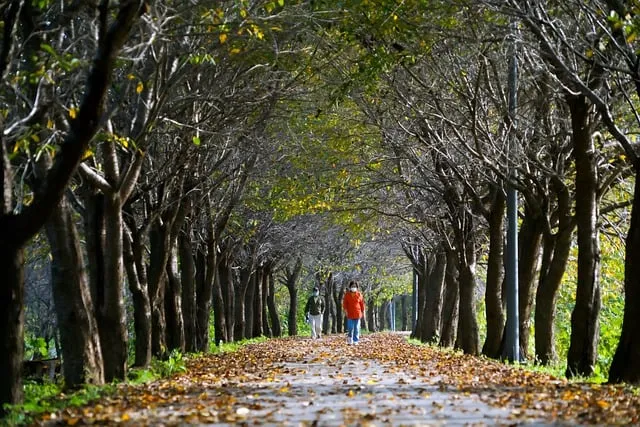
{"points": [[512, 347]]}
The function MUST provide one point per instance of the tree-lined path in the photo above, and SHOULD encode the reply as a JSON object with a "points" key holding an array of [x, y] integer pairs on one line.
{"points": [[383, 381]]}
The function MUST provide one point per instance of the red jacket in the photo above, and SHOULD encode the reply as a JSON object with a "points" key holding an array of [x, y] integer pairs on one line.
{"points": [[353, 304]]}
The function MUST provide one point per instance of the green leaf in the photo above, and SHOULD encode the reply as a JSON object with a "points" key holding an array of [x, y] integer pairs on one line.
{"points": [[196, 141]]}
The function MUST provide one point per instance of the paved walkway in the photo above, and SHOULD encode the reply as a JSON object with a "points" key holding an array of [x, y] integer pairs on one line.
{"points": [[328, 383]]}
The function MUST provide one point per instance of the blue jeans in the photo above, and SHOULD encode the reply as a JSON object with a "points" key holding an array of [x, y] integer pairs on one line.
{"points": [[353, 327]]}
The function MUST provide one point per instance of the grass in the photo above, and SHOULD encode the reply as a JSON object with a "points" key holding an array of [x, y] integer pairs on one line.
{"points": [[50, 397]]}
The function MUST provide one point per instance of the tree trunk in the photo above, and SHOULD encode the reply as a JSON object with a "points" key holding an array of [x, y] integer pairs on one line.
{"points": [[228, 294], [276, 327], [81, 354], [257, 304], [433, 299], [530, 240], [450, 309], [420, 271], [173, 304], [555, 259], [583, 347], [339, 312], [240, 331], [249, 303], [137, 278], [12, 321], [214, 280], [187, 276], [266, 275], [494, 309], [371, 317], [159, 247], [625, 366], [112, 324]]}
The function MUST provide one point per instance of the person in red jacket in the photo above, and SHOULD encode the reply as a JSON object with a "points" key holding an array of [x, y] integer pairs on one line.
{"points": [[353, 305]]}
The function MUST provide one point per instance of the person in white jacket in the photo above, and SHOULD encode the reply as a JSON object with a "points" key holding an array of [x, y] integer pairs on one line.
{"points": [[314, 311]]}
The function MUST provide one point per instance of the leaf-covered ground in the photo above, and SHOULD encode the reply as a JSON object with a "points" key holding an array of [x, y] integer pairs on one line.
{"points": [[382, 381]]}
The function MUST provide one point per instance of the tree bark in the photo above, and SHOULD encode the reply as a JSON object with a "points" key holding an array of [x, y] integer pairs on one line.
{"points": [[625, 366], [111, 319], [433, 299], [529, 245], [292, 275], [173, 304], [450, 310], [276, 327], [583, 347], [555, 258], [188, 276], [266, 329], [135, 268], [494, 309], [81, 354], [159, 246]]}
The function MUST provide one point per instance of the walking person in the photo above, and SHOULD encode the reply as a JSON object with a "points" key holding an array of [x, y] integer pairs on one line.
{"points": [[314, 311], [353, 305]]}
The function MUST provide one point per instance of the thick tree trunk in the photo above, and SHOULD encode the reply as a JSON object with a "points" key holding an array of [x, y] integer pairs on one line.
{"points": [[529, 245], [450, 308], [625, 366], [244, 284], [188, 277], [469, 341], [12, 321], [433, 300], [292, 275], [494, 309], [583, 347], [276, 327], [159, 246], [173, 304], [112, 324], [249, 303], [339, 292], [81, 354], [257, 304], [228, 294], [266, 329], [420, 271], [292, 321], [372, 318], [137, 277], [214, 280], [555, 259]]}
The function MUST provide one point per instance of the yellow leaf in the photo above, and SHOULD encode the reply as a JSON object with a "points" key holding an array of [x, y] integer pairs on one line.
{"points": [[131, 76], [223, 38], [73, 112], [140, 87], [234, 51], [88, 153], [49, 124], [125, 417], [351, 393], [243, 13], [35, 137], [283, 389]]}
